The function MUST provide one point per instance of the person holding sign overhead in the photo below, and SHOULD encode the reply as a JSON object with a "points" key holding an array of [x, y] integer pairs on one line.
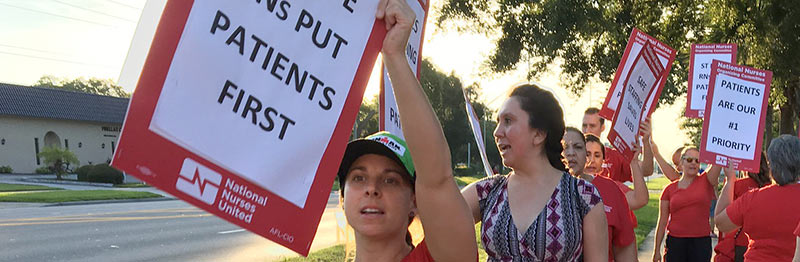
{"points": [[770, 214], [386, 183], [683, 212], [556, 217], [620, 227]]}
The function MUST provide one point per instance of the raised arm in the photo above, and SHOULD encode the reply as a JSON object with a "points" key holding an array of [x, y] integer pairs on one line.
{"points": [[713, 175], [639, 196], [721, 219], [646, 129], [445, 216], [669, 170]]}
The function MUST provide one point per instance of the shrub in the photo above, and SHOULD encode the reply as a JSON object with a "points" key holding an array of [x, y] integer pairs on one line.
{"points": [[58, 159], [103, 173], [44, 170], [6, 170], [83, 172]]}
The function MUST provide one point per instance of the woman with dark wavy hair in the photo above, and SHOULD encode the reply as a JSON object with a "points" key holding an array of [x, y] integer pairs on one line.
{"points": [[538, 212]]}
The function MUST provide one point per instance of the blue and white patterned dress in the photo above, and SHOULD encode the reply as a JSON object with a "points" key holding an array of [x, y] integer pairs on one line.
{"points": [[555, 235]]}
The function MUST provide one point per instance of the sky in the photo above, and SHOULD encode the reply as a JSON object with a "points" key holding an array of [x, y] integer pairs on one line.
{"points": [[100, 39]]}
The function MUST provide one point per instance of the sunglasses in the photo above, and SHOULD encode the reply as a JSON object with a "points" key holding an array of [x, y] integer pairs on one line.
{"points": [[692, 159]]}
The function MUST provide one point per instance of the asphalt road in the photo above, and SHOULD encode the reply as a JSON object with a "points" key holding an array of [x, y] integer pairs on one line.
{"points": [[140, 231]]}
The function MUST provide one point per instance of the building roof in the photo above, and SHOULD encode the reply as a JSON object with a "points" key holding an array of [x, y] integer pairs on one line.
{"points": [[39, 102]]}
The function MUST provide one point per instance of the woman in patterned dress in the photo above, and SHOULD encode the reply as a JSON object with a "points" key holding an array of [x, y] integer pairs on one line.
{"points": [[538, 212]]}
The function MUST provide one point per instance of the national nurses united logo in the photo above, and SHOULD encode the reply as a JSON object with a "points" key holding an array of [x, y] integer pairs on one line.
{"points": [[198, 181], [722, 160]]}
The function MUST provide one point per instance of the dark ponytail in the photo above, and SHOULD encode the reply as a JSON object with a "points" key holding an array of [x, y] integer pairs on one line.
{"points": [[546, 115]]}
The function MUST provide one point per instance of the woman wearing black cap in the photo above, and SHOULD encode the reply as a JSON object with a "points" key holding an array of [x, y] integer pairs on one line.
{"points": [[383, 189]]}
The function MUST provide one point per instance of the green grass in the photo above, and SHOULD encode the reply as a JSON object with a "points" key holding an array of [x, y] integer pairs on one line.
{"points": [[647, 217], [657, 183], [132, 185], [73, 195], [334, 253], [466, 180], [19, 187]]}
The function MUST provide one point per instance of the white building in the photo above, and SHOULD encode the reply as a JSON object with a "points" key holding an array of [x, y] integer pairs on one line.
{"points": [[32, 118]]}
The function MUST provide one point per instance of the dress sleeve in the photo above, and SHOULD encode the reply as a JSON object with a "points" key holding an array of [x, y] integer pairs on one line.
{"points": [[589, 195], [485, 186]]}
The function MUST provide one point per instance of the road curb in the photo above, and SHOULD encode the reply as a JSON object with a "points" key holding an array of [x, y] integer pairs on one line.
{"points": [[67, 182], [94, 202]]}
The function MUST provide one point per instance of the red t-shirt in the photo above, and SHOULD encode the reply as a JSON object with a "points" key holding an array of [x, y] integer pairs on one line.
{"points": [[768, 216], [625, 189], [615, 166], [688, 207], [740, 187], [420, 253], [620, 229]]}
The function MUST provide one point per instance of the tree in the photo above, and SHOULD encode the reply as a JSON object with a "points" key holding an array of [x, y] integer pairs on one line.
{"points": [[57, 159], [590, 37], [445, 95], [367, 119], [104, 87]]}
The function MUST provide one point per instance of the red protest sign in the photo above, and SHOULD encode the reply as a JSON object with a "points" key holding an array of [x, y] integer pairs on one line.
{"points": [[734, 116], [699, 73], [389, 117], [666, 55], [243, 109], [639, 84]]}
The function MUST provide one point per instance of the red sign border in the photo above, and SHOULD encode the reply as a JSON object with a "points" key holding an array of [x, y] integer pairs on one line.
{"points": [[712, 49], [156, 160], [605, 111], [740, 164], [612, 134]]}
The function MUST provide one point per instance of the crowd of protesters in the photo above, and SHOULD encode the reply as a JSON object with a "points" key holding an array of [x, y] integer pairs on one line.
{"points": [[568, 196]]}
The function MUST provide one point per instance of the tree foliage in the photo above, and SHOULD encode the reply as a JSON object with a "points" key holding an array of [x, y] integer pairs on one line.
{"points": [[367, 119], [589, 37], [446, 97], [104, 87], [57, 159]]}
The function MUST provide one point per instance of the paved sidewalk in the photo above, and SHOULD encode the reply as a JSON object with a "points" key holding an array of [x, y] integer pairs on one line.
{"points": [[646, 249]]}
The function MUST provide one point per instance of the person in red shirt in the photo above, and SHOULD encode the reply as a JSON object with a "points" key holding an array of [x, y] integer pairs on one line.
{"points": [[740, 241], [595, 152], [684, 215], [386, 183], [767, 215], [797, 246], [620, 229], [615, 165]]}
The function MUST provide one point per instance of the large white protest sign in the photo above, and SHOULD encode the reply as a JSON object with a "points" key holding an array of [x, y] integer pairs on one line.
{"points": [[700, 72], [244, 108], [734, 116], [389, 117], [475, 124], [639, 84], [666, 55]]}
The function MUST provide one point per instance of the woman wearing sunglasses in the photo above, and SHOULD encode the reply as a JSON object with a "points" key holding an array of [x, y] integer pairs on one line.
{"points": [[684, 212]]}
